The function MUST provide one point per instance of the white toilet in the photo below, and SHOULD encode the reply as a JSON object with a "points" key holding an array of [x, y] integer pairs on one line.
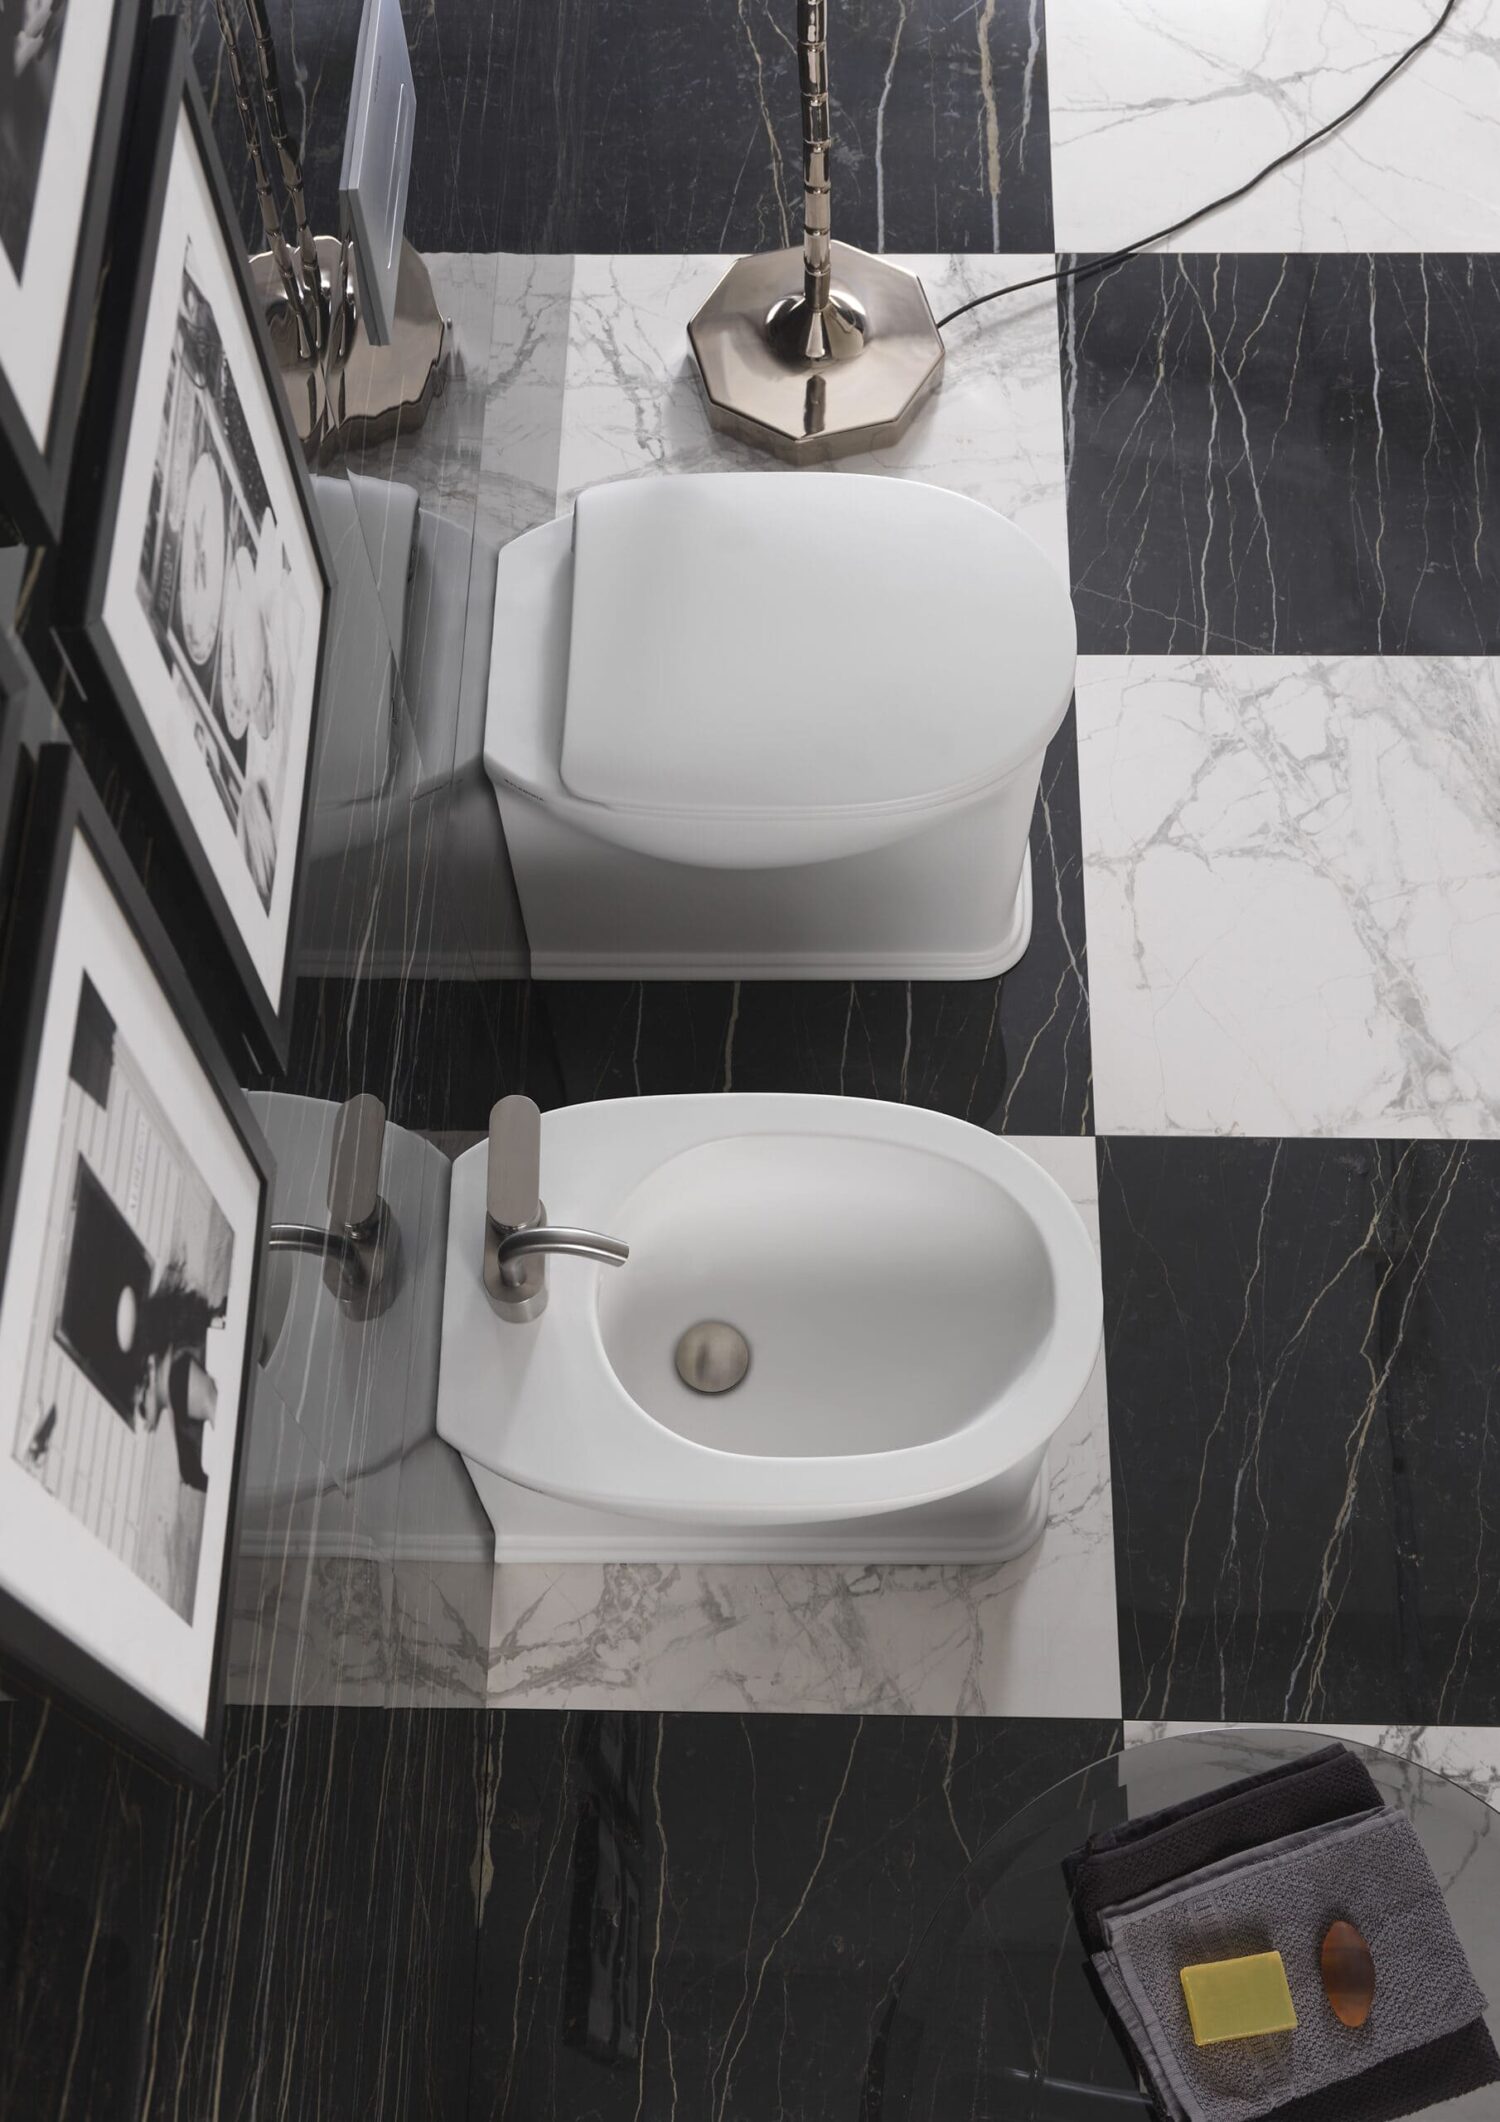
{"points": [[771, 725]]}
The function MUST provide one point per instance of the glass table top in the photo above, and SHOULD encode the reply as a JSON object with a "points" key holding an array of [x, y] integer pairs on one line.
{"points": [[995, 2019]]}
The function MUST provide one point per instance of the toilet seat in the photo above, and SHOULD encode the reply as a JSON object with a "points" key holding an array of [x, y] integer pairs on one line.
{"points": [[749, 670]]}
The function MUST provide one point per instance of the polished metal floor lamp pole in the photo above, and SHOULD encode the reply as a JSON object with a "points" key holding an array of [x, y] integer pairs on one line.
{"points": [[841, 365]]}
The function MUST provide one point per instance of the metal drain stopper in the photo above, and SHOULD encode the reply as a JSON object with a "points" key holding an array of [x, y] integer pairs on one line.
{"points": [[712, 1357]]}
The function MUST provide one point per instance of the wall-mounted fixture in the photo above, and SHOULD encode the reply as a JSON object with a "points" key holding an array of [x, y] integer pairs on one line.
{"points": [[841, 365], [360, 1246]]}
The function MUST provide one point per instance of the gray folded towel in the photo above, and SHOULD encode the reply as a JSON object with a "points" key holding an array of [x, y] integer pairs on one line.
{"points": [[1370, 1870]]}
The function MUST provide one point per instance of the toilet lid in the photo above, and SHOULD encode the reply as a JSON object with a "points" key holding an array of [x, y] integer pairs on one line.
{"points": [[755, 644]]}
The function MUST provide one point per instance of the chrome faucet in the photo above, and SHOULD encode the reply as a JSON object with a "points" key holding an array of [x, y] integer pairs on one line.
{"points": [[517, 1235], [361, 1246]]}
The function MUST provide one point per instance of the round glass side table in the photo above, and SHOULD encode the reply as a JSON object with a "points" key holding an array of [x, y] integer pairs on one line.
{"points": [[996, 2020]]}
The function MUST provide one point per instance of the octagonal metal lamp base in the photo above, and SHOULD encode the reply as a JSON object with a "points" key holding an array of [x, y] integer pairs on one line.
{"points": [[763, 388]]}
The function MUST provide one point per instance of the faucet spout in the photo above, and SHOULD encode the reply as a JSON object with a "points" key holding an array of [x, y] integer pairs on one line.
{"points": [[557, 1238], [517, 1235]]}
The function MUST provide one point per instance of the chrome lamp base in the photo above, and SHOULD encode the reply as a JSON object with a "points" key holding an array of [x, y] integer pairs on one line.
{"points": [[807, 383], [359, 394]]}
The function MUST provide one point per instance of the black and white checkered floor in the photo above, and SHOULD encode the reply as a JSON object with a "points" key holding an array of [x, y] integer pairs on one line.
{"points": [[1266, 967], [1259, 1024]]}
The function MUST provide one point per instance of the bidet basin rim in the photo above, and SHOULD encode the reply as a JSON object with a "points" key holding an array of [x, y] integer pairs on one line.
{"points": [[545, 1405]]}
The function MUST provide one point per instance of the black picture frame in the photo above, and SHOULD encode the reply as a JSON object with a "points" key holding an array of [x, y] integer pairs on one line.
{"points": [[34, 1653], [20, 703], [168, 87], [34, 475]]}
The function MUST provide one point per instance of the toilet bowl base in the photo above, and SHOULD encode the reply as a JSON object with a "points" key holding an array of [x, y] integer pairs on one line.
{"points": [[971, 1527], [626, 961]]}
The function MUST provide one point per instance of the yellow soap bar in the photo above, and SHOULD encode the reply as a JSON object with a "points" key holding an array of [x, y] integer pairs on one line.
{"points": [[1228, 2000]]}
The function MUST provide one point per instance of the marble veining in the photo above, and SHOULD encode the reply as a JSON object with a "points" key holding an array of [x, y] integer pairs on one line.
{"points": [[632, 402], [1284, 454], [546, 127], [1465, 1753], [1032, 1637], [1301, 1356], [593, 381], [444, 457], [1158, 106], [300, 1942], [1292, 876], [1265, 456], [709, 1915]]}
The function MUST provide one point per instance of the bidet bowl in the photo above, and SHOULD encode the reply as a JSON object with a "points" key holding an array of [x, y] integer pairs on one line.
{"points": [[889, 1295], [920, 1299]]}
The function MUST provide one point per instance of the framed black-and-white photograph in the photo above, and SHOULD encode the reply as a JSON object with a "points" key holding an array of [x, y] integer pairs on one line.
{"points": [[202, 575], [65, 74], [134, 1192]]}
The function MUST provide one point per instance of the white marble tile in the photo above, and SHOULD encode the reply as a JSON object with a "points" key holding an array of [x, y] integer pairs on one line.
{"points": [[993, 430], [1292, 883], [442, 457], [1031, 1638], [1158, 106], [1465, 1753], [440, 1622], [307, 1628], [520, 373]]}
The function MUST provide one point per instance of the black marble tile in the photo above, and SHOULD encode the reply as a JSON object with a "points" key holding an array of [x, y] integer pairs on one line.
{"points": [[704, 1915], [1302, 1351], [1284, 453], [439, 1052], [557, 127], [1011, 1054], [85, 1837], [300, 1942], [317, 1949]]}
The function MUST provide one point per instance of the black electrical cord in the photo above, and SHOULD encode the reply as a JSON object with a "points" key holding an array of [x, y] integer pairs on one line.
{"points": [[1130, 250]]}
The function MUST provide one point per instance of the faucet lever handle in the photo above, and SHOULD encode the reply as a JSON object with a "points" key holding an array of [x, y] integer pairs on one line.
{"points": [[513, 1192], [354, 1168]]}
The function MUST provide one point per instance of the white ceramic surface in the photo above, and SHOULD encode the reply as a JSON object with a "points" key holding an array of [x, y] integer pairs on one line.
{"points": [[598, 385], [922, 1303], [710, 886], [759, 651], [1032, 1637]]}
